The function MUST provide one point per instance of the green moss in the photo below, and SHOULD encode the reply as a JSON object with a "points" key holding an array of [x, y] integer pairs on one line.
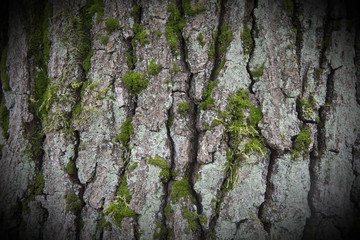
{"points": [[131, 58], [135, 82], [103, 224], [86, 62], [154, 68], [221, 66], [3, 71], [192, 10], [192, 219], [211, 53], [174, 26], [183, 108], [126, 131], [258, 72], [158, 34], [118, 209], [246, 39], [4, 118], [175, 68], [171, 119], [104, 39], [140, 34], [161, 163], [160, 231], [111, 25], [288, 6], [224, 39], [180, 189], [95, 7], [243, 133], [73, 203], [200, 39], [318, 73], [294, 29], [133, 166], [207, 101], [203, 220], [70, 168], [302, 142], [308, 105], [168, 211]]}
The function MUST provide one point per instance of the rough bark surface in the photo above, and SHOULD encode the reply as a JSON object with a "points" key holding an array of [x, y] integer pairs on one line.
{"points": [[241, 121]]}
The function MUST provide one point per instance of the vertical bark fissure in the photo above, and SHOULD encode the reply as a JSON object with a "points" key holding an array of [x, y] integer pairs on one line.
{"points": [[195, 132], [252, 32], [320, 146], [268, 192]]}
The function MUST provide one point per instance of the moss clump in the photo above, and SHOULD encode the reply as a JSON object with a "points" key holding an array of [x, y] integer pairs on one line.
{"points": [[126, 131], [200, 39], [161, 163], [211, 53], [222, 64], [183, 108], [3, 71], [174, 26], [111, 25], [243, 133], [317, 74], [135, 82], [307, 106], [246, 39], [192, 10], [192, 219], [302, 142], [258, 72], [104, 39], [70, 168], [175, 68], [225, 38], [160, 231], [95, 7], [288, 6], [180, 189], [118, 209], [158, 34], [73, 203], [207, 101], [140, 34], [4, 118], [168, 211], [35, 189], [153, 68]]}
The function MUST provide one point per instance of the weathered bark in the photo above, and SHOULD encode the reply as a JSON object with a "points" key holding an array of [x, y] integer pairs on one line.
{"points": [[88, 155]]}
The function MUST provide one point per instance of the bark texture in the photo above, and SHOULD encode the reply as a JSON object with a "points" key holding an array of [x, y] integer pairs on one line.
{"points": [[180, 119]]}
